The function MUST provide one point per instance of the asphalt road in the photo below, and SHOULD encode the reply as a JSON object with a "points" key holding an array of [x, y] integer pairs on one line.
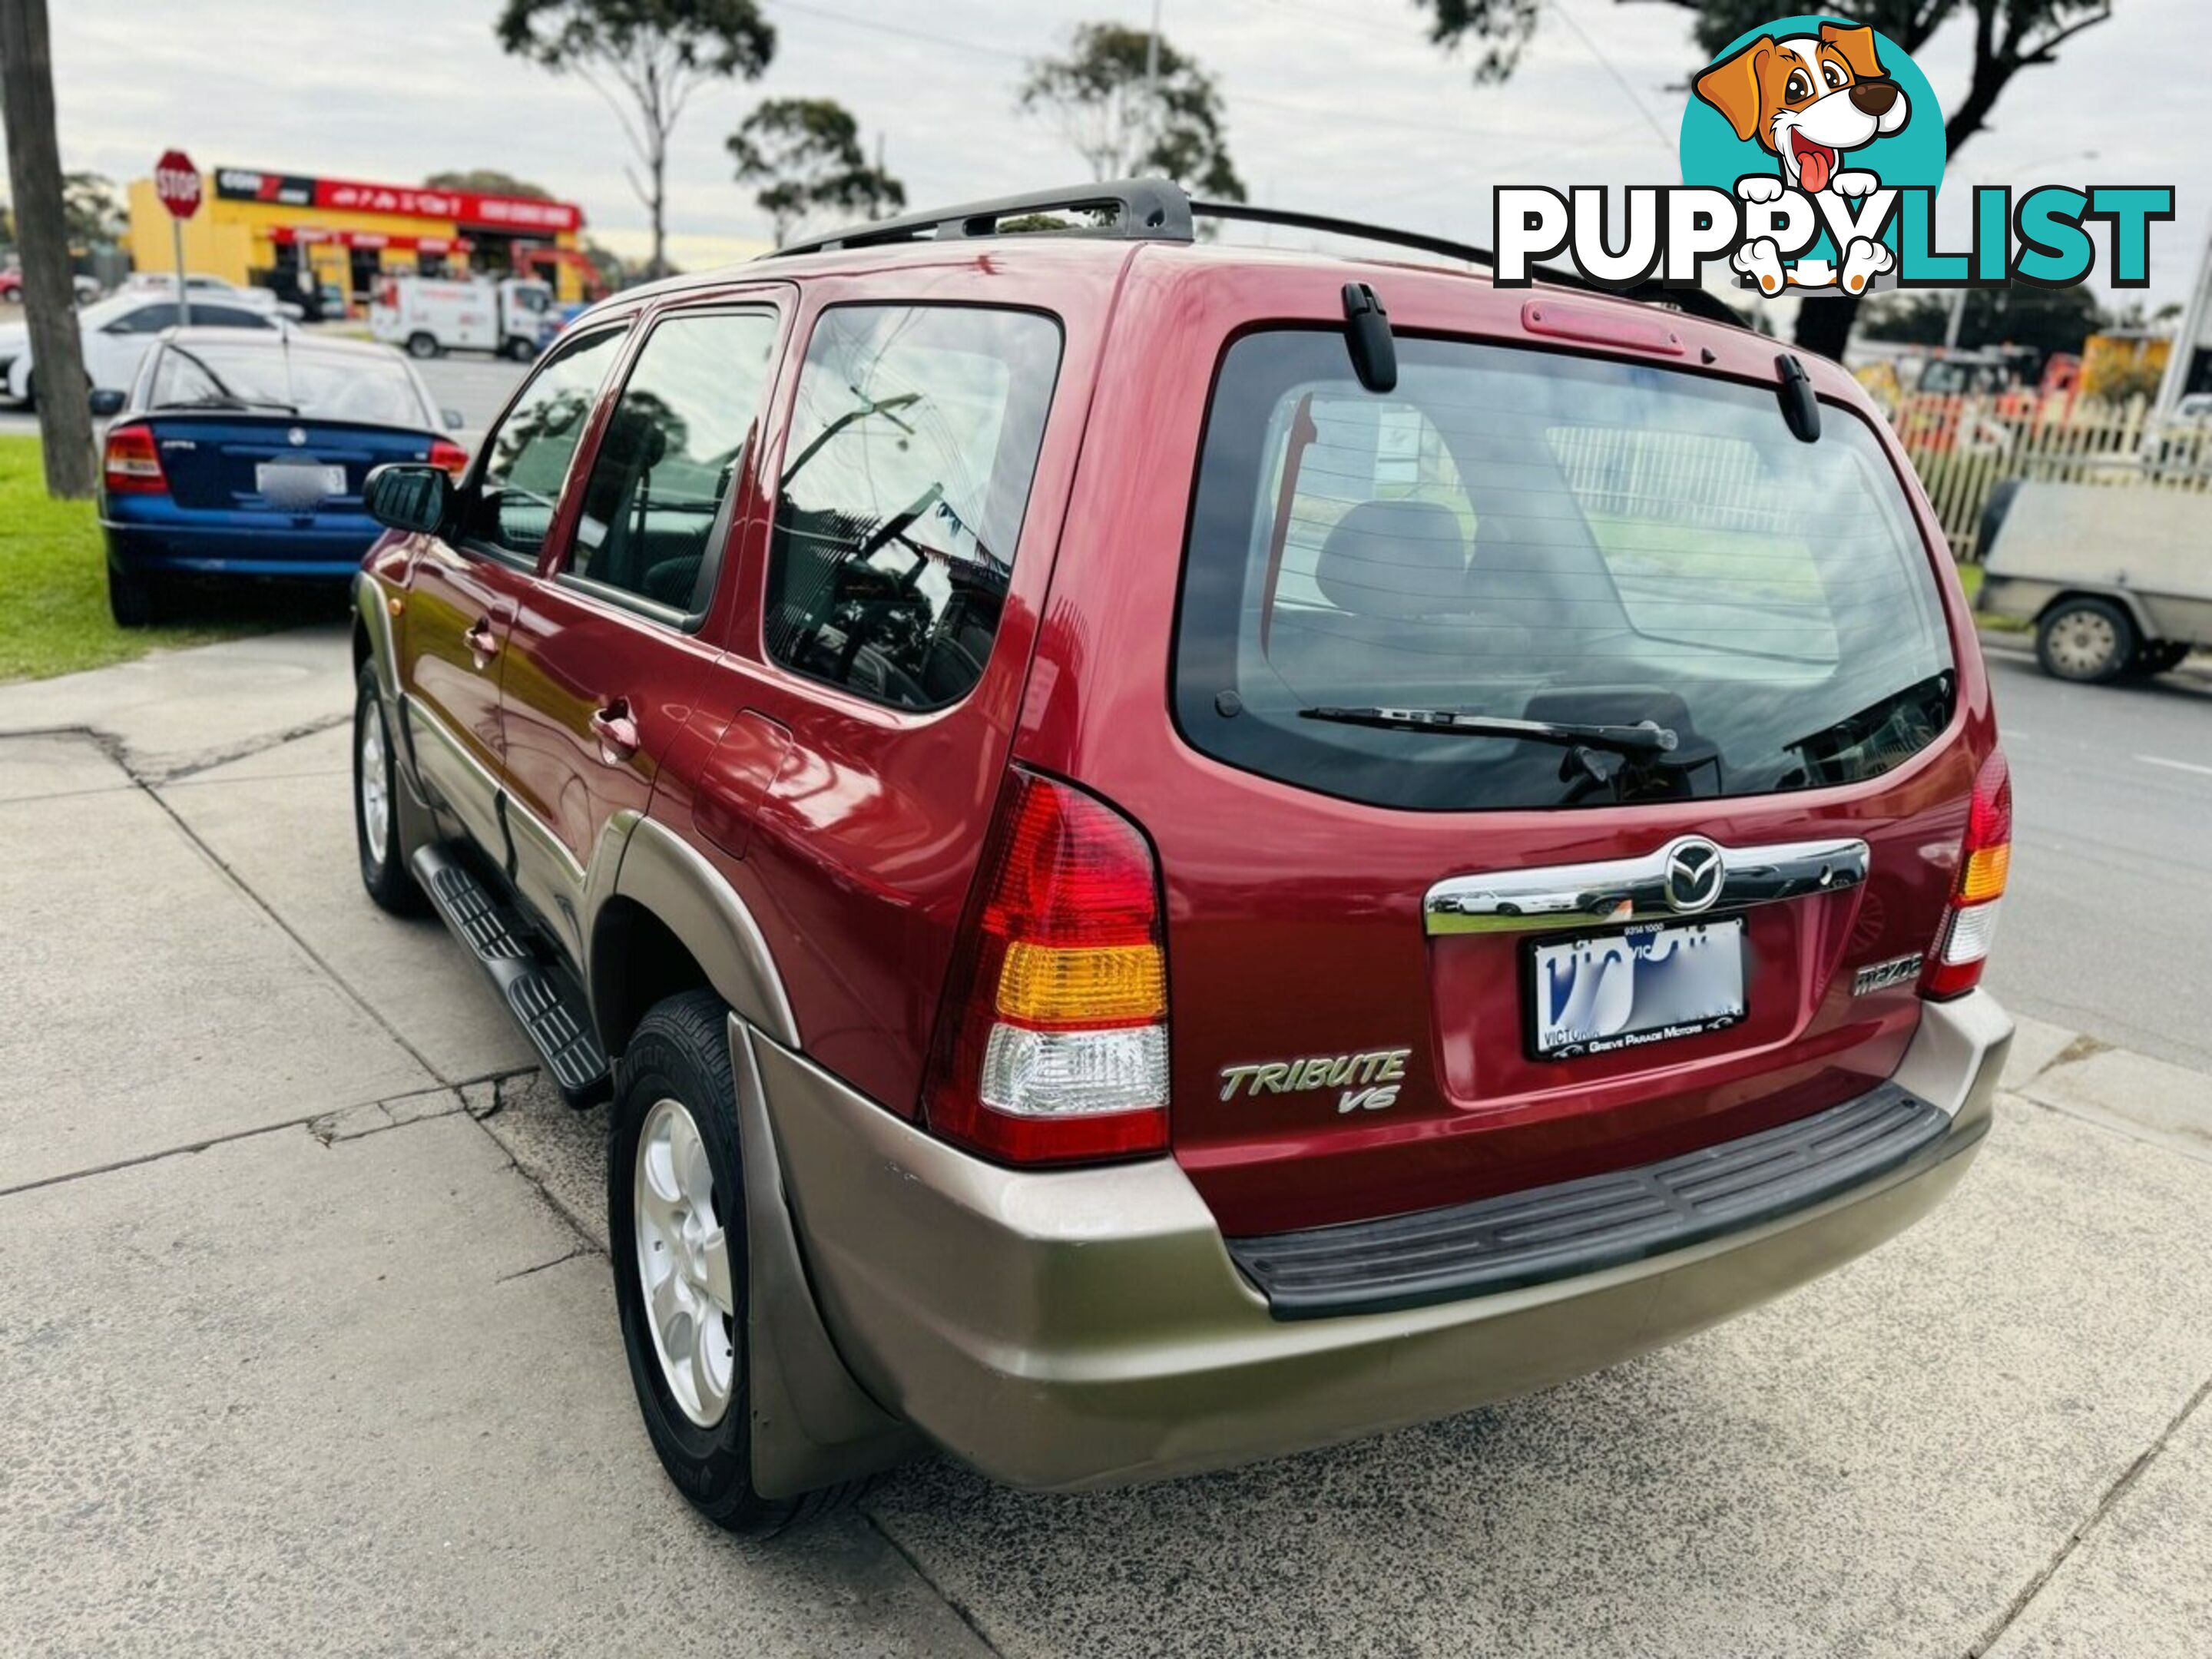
{"points": [[2108, 918]]}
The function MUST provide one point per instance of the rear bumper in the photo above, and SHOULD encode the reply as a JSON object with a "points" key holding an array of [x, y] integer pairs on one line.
{"points": [[1084, 1329], [240, 549]]}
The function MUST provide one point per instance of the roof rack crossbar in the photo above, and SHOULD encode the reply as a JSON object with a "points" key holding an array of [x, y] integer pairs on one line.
{"points": [[1143, 210], [1157, 210]]}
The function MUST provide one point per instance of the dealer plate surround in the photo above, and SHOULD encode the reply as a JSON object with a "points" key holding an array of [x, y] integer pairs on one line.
{"points": [[1602, 994]]}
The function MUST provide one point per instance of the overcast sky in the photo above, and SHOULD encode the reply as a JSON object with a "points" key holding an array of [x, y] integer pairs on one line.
{"points": [[1332, 104]]}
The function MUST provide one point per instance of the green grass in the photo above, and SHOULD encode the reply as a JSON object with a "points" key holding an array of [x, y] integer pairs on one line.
{"points": [[53, 582]]}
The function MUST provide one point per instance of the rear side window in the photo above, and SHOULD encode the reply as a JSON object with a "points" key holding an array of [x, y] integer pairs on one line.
{"points": [[1543, 537], [912, 447], [666, 465]]}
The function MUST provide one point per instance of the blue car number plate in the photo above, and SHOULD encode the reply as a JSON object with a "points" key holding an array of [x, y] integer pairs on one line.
{"points": [[1653, 983]]}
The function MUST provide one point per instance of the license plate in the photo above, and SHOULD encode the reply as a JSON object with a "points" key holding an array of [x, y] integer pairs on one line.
{"points": [[289, 481], [1653, 983]]}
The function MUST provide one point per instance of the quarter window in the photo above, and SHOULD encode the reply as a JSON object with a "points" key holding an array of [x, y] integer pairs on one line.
{"points": [[527, 458], [667, 464], [913, 444]]}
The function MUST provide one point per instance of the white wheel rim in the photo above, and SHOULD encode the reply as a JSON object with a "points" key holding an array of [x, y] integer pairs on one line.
{"points": [[684, 1264], [2084, 643], [375, 788]]}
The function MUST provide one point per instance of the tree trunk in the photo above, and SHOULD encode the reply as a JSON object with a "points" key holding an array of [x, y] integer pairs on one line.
{"points": [[659, 205], [1825, 325], [27, 100]]}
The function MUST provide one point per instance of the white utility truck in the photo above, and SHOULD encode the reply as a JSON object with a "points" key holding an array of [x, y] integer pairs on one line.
{"points": [[430, 316]]}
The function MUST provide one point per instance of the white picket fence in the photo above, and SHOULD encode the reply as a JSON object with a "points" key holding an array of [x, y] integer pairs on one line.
{"points": [[1963, 447]]}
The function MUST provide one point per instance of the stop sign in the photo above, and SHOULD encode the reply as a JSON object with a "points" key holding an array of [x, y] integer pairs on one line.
{"points": [[177, 182]]}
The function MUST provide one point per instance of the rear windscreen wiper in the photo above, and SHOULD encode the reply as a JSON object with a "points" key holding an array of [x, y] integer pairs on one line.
{"points": [[1644, 738]]}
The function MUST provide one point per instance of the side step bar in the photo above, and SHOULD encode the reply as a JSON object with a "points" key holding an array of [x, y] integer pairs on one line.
{"points": [[542, 996]]}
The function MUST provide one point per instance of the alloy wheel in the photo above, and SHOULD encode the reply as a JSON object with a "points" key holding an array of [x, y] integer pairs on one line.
{"points": [[684, 1264]]}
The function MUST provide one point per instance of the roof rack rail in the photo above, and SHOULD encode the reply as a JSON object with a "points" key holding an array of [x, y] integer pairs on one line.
{"points": [[1143, 210], [1158, 210], [1695, 301]]}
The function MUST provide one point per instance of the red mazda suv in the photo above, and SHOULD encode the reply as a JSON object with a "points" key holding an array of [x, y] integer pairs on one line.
{"points": [[1170, 853]]}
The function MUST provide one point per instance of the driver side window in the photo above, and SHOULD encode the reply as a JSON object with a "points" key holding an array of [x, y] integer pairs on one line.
{"points": [[526, 458]]}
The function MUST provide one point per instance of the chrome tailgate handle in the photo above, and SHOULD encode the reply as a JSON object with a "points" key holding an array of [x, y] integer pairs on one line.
{"points": [[1686, 876]]}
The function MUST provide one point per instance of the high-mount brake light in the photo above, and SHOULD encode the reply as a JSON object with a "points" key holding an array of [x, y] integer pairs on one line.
{"points": [[130, 464], [1053, 1043], [1970, 923]]}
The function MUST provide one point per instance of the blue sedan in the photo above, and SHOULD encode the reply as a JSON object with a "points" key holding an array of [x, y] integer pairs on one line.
{"points": [[241, 453]]}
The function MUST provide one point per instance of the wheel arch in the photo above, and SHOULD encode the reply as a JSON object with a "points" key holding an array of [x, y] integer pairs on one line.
{"points": [[2119, 596], [668, 921]]}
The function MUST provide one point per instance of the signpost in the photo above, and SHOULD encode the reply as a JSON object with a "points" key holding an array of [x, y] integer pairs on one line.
{"points": [[177, 182]]}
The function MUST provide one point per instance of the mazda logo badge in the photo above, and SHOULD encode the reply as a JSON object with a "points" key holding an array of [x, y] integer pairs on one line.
{"points": [[1694, 874]]}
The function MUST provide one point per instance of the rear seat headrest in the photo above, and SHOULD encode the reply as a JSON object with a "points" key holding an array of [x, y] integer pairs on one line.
{"points": [[1399, 559]]}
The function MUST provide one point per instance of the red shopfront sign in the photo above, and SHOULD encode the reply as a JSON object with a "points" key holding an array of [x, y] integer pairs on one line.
{"points": [[306, 235], [516, 213]]}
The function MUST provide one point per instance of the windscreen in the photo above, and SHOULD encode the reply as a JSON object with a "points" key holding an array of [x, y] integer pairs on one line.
{"points": [[201, 374], [1544, 537]]}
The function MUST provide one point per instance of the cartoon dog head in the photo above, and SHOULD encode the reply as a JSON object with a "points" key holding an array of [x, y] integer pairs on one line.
{"points": [[1807, 99]]}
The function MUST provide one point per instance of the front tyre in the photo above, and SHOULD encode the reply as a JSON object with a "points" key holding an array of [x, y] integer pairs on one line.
{"points": [[675, 1223], [376, 788]]}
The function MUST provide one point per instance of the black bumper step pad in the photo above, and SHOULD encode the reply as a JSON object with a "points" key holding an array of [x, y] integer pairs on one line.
{"points": [[542, 996], [1576, 1227]]}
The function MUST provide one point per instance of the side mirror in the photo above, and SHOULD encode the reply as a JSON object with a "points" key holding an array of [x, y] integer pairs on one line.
{"points": [[455, 419], [409, 495], [106, 402]]}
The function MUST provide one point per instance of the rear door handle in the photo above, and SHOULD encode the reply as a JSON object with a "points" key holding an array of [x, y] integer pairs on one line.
{"points": [[616, 730], [483, 643]]}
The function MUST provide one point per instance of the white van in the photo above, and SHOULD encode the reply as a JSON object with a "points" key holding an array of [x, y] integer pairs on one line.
{"points": [[430, 316]]}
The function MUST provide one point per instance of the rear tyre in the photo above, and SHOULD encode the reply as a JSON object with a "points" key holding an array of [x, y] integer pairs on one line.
{"points": [[376, 785], [2091, 641], [419, 344], [2158, 657], [135, 598], [675, 1221]]}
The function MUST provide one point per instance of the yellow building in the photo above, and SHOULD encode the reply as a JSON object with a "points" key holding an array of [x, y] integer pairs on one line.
{"points": [[296, 233]]}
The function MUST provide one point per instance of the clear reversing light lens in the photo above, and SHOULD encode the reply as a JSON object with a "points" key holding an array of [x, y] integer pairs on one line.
{"points": [[1061, 1073], [1974, 930]]}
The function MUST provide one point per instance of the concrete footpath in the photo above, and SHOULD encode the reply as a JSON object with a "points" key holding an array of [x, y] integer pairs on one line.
{"points": [[308, 1340]]}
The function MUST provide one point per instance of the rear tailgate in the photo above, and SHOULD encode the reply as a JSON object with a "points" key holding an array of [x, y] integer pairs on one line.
{"points": [[1553, 538]]}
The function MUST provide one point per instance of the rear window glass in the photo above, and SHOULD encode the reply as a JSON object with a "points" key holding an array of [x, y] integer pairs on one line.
{"points": [[269, 379], [905, 476], [1542, 538]]}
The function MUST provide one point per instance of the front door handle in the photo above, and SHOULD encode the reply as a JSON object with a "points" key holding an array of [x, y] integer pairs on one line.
{"points": [[483, 643], [616, 730]]}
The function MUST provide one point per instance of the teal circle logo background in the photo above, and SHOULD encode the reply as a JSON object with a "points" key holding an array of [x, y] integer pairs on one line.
{"points": [[1712, 155]]}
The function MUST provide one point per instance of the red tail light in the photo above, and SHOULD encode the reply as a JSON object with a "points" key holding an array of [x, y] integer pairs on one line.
{"points": [[1970, 925], [131, 465], [1051, 1045], [445, 452]]}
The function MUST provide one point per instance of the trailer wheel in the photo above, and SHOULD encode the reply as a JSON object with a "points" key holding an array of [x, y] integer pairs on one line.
{"points": [[421, 344], [2088, 640]]}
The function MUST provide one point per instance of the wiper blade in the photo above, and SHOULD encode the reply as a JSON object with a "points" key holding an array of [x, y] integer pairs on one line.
{"points": [[1644, 738], [247, 404]]}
